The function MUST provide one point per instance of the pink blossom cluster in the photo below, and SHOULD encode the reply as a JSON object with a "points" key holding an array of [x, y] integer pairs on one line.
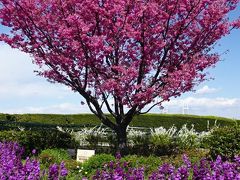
{"points": [[131, 50]]}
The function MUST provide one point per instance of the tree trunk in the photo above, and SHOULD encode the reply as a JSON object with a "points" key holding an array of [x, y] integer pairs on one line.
{"points": [[122, 140]]}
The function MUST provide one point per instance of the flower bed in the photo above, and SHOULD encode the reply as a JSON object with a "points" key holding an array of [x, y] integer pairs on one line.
{"points": [[13, 167], [204, 169]]}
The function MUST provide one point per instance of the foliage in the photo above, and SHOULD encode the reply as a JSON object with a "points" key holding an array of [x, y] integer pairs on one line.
{"points": [[51, 156], [136, 137], [150, 163], [201, 123], [12, 167], [95, 162], [78, 121], [158, 141], [169, 141], [203, 170], [73, 168], [225, 142], [106, 167], [138, 141], [190, 139], [162, 140], [119, 170], [98, 138], [200, 170], [195, 155], [57, 156], [38, 140], [70, 49], [54, 119]]}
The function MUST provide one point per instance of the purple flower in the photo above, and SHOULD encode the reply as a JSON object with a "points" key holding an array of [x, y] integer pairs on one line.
{"points": [[34, 151], [12, 167], [63, 170], [118, 155], [53, 172], [203, 170]]}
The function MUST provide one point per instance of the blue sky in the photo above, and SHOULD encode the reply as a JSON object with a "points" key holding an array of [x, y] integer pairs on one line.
{"points": [[21, 91]]}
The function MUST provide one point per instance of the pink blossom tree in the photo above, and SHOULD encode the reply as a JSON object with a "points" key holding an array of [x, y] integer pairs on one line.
{"points": [[121, 54]]}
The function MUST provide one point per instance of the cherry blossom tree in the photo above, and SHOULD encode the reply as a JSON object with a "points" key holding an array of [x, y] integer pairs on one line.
{"points": [[125, 55]]}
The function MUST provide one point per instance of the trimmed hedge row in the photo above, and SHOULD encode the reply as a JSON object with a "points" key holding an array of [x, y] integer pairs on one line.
{"points": [[149, 120], [38, 140], [201, 123]]}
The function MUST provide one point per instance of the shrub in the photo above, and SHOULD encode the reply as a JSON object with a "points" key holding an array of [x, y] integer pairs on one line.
{"points": [[168, 141], [112, 140], [195, 155], [138, 142], [38, 140], [162, 140], [96, 137], [72, 165], [158, 141], [187, 138], [96, 162], [224, 141], [90, 137], [149, 163], [51, 156], [136, 137]]}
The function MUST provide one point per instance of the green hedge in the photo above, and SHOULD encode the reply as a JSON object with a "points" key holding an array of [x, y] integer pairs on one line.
{"points": [[225, 142], [148, 120], [82, 119], [38, 140], [167, 120]]}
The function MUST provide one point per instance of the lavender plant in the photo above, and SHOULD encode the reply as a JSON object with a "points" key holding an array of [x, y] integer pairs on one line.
{"points": [[12, 167]]}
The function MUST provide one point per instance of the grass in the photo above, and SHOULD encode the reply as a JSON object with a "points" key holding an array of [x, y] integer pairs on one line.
{"points": [[148, 120]]}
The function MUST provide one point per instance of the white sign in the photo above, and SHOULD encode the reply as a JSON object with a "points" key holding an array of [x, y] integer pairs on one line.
{"points": [[83, 154]]}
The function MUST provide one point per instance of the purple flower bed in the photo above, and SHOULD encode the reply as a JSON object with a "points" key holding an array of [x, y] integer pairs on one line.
{"points": [[13, 168], [209, 170]]}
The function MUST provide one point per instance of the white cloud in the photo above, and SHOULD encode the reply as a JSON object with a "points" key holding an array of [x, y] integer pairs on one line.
{"points": [[33, 89], [225, 107], [205, 102], [206, 90], [17, 79], [15, 65], [63, 108]]}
